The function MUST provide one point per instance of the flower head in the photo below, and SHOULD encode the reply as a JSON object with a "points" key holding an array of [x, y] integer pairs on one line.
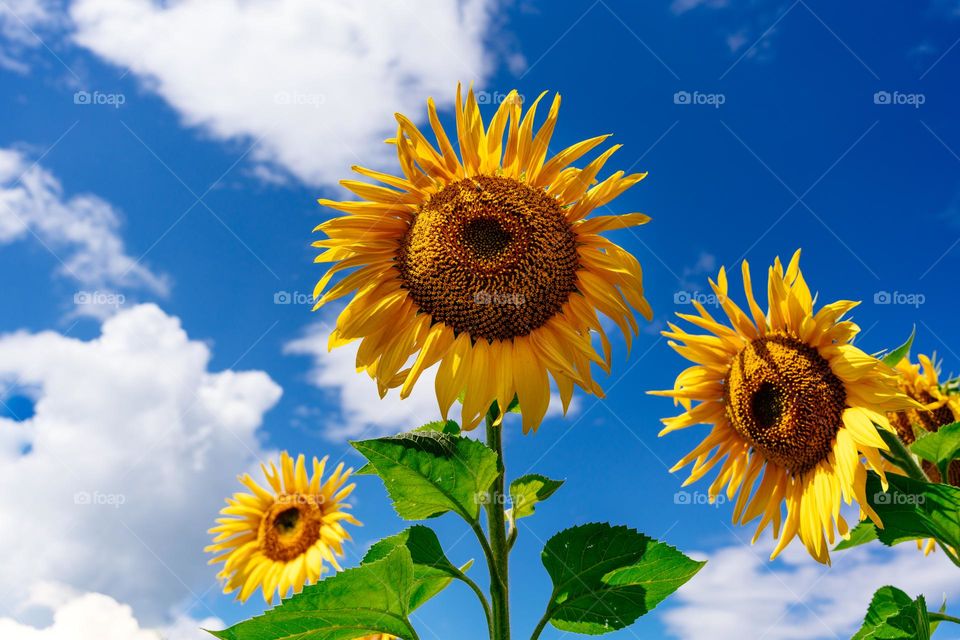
{"points": [[485, 264], [793, 406], [279, 537]]}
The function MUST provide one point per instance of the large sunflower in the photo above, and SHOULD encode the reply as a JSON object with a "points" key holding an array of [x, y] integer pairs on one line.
{"points": [[279, 537], [791, 400], [485, 263]]}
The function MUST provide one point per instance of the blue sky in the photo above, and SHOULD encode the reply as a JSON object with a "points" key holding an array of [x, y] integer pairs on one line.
{"points": [[171, 154]]}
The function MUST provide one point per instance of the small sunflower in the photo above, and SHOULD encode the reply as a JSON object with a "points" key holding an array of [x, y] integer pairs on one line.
{"points": [[278, 538], [940, 407], [921, 382], [485, 263], [791, 400]]}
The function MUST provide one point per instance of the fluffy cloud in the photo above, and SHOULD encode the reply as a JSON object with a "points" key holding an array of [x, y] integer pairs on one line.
{"points": [[81, 231], [361, 412], [134, 443], [94, 616], [313, 84], [739, 594], [20, 20]]}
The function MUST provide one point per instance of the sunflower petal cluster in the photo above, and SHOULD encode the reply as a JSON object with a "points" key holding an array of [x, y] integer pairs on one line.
{"points": [[793, 405], [282, 536], [486, 264]]}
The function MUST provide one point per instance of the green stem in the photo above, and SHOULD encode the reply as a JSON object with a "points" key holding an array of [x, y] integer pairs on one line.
{"points": [[541, 625], [901, 456], [480, 595], [512, 537], [942, 617], [494, 576], [496, 529]]}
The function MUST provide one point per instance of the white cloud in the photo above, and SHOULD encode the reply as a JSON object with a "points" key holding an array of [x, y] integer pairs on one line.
{"points": [[133, 446], [315, 84], [94, 616], [361, 411], [739, 594], [21, 23], [81, 231]]}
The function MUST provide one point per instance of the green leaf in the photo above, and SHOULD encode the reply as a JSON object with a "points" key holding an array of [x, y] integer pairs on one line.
{"points": [[940, 447], [432, 571], [898, 354], [863, 533], [372, 598], [892, 615], [912, 509], [443, 426], [526, 491], [606, 577], [429, 473]]}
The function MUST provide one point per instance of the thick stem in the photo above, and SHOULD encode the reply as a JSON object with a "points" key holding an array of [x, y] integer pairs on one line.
{"points": [[496, 529]]}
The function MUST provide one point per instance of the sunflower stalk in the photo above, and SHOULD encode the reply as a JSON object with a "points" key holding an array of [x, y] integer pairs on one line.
{"points": [[496, 529], [901, 456]]}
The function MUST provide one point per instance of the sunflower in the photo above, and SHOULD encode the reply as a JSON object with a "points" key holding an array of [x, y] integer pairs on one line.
{"points": [[279, 537], [940, 407], [921, 382], [793, 406], [485, 263]]}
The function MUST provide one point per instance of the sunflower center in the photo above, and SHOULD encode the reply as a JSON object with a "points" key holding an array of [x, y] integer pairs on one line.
{"points": [[489, 256], [782, 397], [291, 526], [286, 521], [486, 236]]}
